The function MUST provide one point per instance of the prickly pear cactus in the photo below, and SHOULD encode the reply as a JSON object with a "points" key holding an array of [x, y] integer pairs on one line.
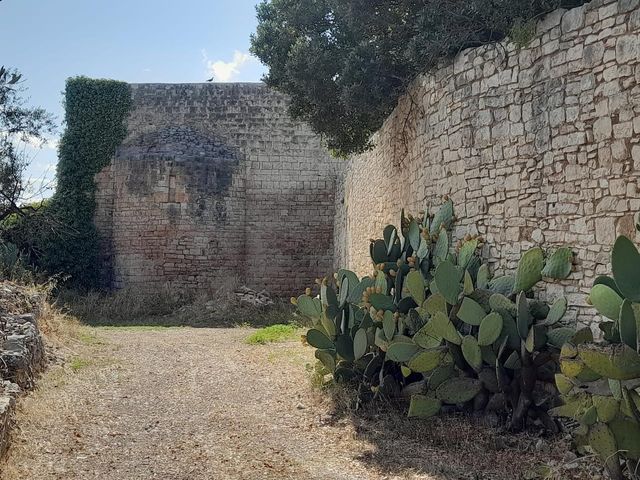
{"points": [[600, 382], [431, 325]]}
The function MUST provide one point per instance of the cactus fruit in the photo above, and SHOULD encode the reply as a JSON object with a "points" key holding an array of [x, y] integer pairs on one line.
{"points": [[529, 270]]}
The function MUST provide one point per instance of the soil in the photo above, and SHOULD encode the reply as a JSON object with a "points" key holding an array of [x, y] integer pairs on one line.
{"points": [[191, 404]]}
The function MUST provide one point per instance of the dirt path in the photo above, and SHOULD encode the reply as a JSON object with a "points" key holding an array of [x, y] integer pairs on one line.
{"points": [[191, 404]]}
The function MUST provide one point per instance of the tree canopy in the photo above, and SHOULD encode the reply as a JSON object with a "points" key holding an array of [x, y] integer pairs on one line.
{"points": [[345, 63], [19, 125]]}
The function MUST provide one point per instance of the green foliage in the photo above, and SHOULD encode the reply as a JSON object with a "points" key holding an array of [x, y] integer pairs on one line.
{"points": [[430, 322], [272, 334], [96, 111], [19, 125], [600, 382], [345, 63]]}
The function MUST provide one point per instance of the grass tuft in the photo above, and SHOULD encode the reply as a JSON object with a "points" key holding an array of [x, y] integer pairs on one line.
{"points": [[76, 364], [273, 334]]}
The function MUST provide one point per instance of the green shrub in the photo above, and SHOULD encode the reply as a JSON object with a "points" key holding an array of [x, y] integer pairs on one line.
{"points": [[96, 111], [430, 324], [600, 382]]}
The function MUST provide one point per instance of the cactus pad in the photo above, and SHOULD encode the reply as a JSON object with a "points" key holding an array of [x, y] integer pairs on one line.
{"points": [[415, 284], [327, 358], [402, 350], [559, 336], [606, 301], [627, 325], [529, 270], [467, 250], [490, 329], [499, 302], [360, 344], [471, 312], [558, 265], [443, 217], [427, 360], [604, 444], [381, 302], [389, 325], [310, 307], [607, 408], [458, 390], [471, 352], [422, 406], [442, 327], [319, 340], [564, 384], [483, 277], [524, 316], [557, 311], [436, 303], [447, 279], [617, 362], [627, 435], [625, 261], [503, 285]]}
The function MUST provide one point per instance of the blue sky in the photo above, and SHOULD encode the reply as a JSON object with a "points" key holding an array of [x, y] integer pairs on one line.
{"points": [[130, 40]]}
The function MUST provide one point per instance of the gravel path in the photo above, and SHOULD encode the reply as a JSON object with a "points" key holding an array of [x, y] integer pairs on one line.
{"points": [[191, 404]]}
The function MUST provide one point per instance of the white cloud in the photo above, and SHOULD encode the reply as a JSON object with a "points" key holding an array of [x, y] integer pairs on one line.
{"points": [[222, 71]]}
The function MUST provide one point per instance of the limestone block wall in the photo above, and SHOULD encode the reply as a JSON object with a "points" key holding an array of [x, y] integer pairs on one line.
{"points": [[215, 183], [538, 145]]}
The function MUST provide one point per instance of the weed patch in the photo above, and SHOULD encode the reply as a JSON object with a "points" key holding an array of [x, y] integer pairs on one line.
{"points": [[273, 334]]}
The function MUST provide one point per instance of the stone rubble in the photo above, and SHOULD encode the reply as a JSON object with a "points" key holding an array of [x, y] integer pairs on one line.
{"points": [[251, 297]]}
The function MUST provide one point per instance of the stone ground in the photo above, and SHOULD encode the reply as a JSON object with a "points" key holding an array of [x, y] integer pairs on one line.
{"points": [[191, 404]]}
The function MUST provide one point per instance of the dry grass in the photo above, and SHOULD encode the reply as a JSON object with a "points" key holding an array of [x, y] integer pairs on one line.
{"points": [[193, 404], [170, 307]]}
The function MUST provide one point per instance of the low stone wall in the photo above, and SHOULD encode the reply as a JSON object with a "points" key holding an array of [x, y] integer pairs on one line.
{"points": [[22, 353]]}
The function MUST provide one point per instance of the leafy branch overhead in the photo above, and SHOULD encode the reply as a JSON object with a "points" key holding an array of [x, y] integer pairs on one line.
{"points": [[345, 63]]}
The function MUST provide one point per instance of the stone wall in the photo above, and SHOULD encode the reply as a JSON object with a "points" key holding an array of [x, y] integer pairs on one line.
{"points": [[22, 353], [215, 183], [538, 145]]}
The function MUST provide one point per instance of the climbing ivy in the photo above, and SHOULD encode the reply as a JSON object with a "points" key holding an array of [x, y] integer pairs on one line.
{"points": [[95, 116]]}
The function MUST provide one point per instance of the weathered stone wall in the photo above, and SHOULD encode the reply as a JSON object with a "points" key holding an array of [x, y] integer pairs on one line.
{"points": [[213, 183], [539, 145], [22, 353]]}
